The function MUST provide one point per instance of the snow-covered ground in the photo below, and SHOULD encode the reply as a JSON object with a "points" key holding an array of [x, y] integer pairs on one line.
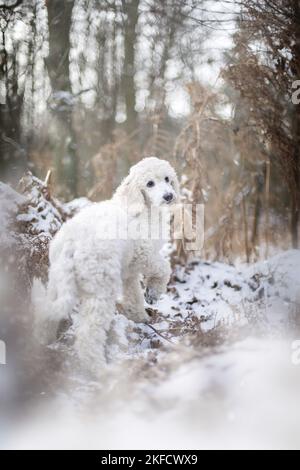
{"points": [[215, 369]]}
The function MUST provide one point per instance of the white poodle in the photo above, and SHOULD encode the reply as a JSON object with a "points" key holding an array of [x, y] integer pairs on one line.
{"points": [[97, 263]]}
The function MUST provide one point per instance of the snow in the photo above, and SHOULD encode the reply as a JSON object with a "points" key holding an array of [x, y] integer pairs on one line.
{"points": [[213, 370], [245, 396], [10, 201], [41, 213], [76, 205]]}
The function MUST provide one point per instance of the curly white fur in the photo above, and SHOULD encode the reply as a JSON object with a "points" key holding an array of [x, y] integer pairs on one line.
{"points": [[96, 272]]}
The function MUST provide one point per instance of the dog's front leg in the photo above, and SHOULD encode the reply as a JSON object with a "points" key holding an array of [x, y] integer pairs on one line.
{"points": [[133, 300], [157, 276]]}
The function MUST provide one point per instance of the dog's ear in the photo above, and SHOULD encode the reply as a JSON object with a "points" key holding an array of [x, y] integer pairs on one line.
{"points": [[176, 186], [131, 194]]}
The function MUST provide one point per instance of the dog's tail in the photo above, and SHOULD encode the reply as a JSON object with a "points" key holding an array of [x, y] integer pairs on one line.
{"points": [[61, 293]]}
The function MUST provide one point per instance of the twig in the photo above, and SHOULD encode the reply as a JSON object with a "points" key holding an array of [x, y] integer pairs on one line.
{"points": [[48, 178], [246, 228], [159, 334], [267, 202]]}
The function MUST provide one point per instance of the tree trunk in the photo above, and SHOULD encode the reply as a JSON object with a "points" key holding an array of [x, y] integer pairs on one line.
{"points": [[295, 223], [257, 212], [130, 9], [13, 154], [58, 65], [295, 206]]}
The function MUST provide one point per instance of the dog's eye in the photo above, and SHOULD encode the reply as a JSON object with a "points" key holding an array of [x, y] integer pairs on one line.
{"points": [[167, 179], [150, 184]]}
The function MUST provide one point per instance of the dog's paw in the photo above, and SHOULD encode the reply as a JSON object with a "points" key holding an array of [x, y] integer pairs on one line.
{"points": [[140, 317], [151, 296]]}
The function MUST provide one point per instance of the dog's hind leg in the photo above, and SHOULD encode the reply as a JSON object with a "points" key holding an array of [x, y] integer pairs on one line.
{"points": [[91, 326], [99, 286]]}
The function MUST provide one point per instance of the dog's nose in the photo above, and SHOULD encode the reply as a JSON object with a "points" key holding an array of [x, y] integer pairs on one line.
{"points": [[168, 197]]}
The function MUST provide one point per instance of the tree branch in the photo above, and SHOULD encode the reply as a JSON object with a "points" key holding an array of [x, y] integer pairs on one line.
{"points": [[12, 6]]}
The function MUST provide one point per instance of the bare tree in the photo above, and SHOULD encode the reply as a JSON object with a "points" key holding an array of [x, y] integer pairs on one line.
{"points": [[13, 154], [62, 99], [131, 16], [266, 61]]}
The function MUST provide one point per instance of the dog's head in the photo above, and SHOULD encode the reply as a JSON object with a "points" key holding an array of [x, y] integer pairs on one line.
{"points": [[151, 182]]}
